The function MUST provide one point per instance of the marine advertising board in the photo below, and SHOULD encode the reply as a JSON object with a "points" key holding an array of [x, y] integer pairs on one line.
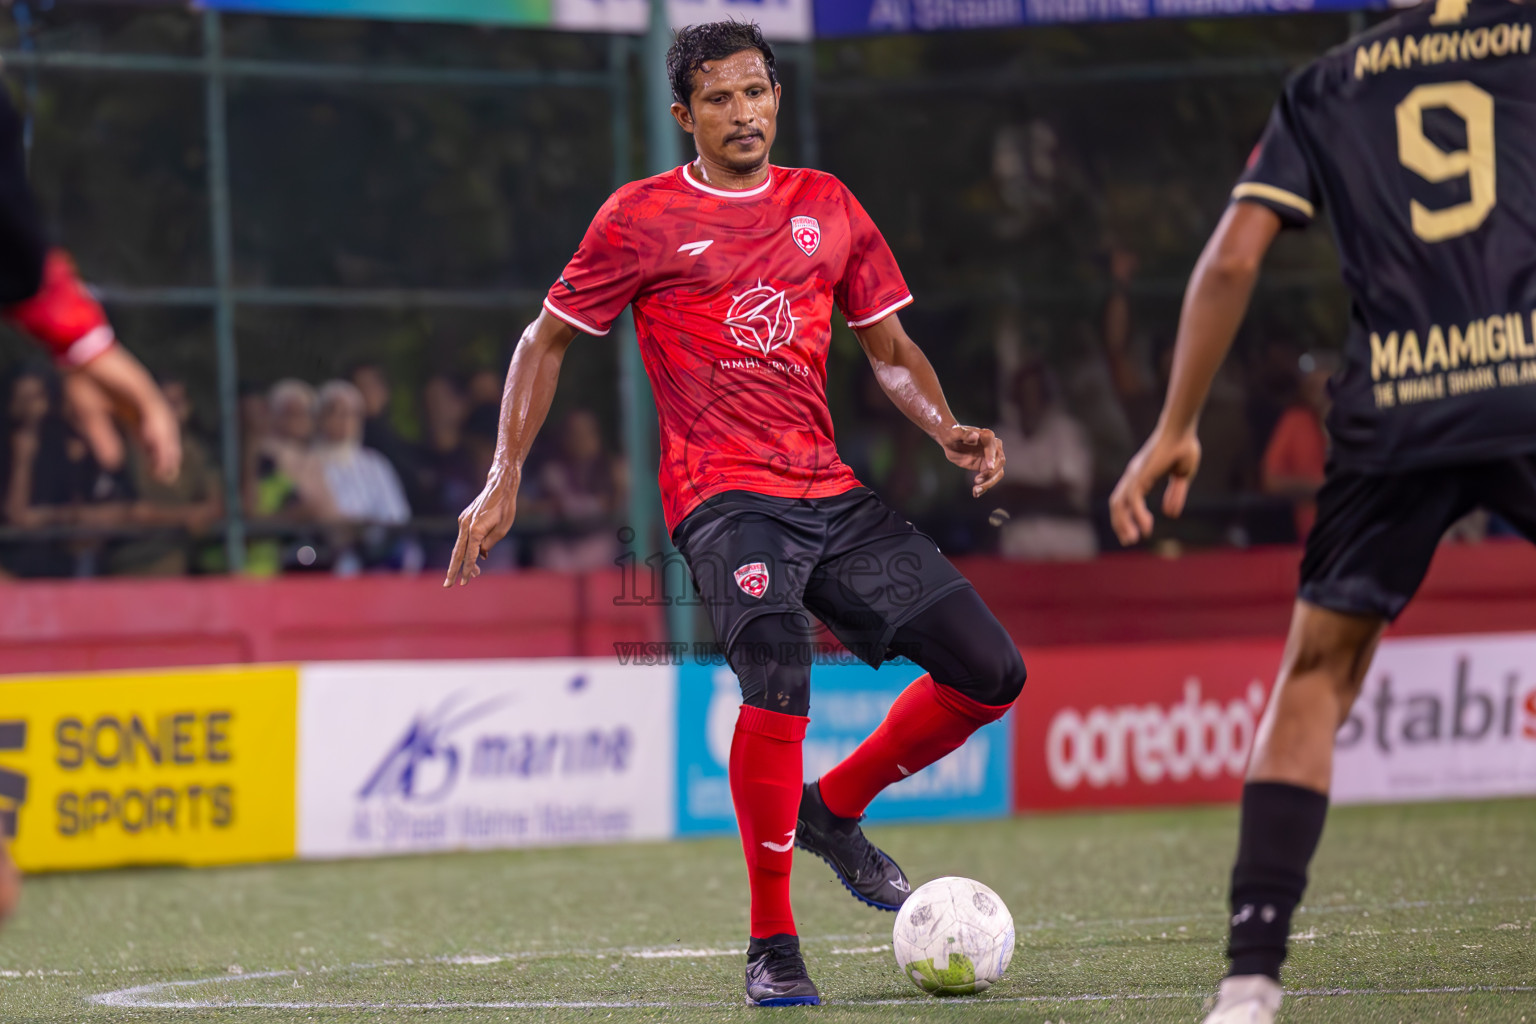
{"points": [[398, 757]]}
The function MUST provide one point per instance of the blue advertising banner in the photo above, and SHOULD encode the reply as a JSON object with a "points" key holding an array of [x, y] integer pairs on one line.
{"points": [[847, 702], [870, 17]]}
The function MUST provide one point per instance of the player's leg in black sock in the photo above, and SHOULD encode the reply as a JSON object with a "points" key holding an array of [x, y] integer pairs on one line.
{"points": [[1286, 798], [1281, 825]]}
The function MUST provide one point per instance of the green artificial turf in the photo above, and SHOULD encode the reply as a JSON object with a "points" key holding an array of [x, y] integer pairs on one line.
{"points": [[1129, 907]]}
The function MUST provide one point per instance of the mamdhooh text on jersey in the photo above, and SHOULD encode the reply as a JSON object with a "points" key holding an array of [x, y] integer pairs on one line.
{"points": [[1479, 43]]}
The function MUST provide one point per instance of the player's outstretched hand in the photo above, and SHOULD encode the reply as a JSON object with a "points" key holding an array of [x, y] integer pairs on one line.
{"points": [[1177, 458], [481, 526], [94, 412], [161, 435], [979, 449], [89, 410]]}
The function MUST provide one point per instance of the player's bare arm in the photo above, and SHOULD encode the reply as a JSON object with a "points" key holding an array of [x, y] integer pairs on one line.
{"points": [[525, 402], [907, 378], [102, 379], [1214, 305], [115, 384]]}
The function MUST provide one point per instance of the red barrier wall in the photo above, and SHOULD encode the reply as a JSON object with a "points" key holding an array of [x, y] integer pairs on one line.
{"points": [[103, 624], [1135, 598], [100, 624]]}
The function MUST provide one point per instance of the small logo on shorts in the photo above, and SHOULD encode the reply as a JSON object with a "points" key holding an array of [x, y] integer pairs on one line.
{"points": [[753, 578]]}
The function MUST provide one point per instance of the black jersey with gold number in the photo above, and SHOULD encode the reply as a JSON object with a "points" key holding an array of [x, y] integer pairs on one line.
{"points": [[1418, 138]]}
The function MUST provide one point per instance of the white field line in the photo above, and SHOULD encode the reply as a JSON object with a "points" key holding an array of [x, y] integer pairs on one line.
{"points": [[143, 997], [131, 999]]}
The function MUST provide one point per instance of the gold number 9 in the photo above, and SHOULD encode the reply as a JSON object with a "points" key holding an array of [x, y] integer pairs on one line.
{"points": [[1433, 164]]}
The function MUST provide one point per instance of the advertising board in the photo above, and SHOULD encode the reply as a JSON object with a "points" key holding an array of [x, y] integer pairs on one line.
{"points": [[847, 701], [1135, 725], [1442, 718], [398, 757], [192, 766]]}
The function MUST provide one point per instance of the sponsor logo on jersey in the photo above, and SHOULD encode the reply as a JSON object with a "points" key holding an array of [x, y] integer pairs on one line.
{"points": [[760, 318], [696, 248], [753, 579], [807, 234]]}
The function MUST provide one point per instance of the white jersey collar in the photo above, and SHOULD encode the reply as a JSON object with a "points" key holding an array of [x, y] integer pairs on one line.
{"points": [[727, 193]]}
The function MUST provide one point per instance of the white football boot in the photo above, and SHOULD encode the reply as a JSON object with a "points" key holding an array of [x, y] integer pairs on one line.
{"points": [[1246, 999]]}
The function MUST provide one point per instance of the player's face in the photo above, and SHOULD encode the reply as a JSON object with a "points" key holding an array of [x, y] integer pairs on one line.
{"points": [[733, 113]]}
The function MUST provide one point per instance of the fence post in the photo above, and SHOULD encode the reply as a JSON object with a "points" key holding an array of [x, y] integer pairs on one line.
{"points": [[223, 310]]}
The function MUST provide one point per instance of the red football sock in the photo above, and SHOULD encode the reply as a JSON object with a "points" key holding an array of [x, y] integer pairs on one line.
{"points": [[926, 722], [765, 787]]}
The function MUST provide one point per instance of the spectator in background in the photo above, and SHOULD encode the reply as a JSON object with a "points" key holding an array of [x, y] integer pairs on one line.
{"points": [[1140, 369], [585, 488], [363, 486], [366, 493], [379, 431], [52, 480], [193, 502], [1296, 457], [255, 432], [294, 481], [484, 387], [448, 467], [266, 492], [1273, 383], [40, 474], [1050, 475], [480, 429]]}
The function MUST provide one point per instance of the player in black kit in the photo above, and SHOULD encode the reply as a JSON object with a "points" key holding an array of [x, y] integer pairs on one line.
{"points": [[1418, 138]]}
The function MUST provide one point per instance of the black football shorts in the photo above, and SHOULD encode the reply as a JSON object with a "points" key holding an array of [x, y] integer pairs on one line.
{"points": [[1376, 533], [849, 560]]}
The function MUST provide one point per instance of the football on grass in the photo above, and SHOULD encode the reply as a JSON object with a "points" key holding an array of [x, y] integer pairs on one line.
{"points": [[954, 937]]}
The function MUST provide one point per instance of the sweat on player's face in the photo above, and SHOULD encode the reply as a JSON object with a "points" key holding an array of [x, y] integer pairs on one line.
{"points": [[732, 113]]}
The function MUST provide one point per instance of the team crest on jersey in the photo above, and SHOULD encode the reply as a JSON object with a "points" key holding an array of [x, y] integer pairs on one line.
{"points": [[753, 579], [807, 234], [760, 318]]}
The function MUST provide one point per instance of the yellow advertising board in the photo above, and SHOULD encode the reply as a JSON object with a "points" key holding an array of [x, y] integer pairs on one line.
{"points": [[190, 766]]}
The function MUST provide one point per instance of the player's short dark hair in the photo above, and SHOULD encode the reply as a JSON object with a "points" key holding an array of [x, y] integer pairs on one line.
{"points": [[697, 45]]}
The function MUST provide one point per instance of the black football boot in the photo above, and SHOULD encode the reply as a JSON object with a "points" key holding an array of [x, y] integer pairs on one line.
{"points": [[776, 974], [859, 864]]}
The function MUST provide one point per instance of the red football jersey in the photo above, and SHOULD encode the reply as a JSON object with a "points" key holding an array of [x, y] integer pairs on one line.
{"points": [[733, 295]]}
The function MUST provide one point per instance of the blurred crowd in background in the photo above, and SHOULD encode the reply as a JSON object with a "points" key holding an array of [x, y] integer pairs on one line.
{"points": [[327, 483], [1056, 186]]}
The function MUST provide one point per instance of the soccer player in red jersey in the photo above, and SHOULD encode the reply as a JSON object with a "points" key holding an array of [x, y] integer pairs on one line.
{"points": [[733, 266], [41, 295]]}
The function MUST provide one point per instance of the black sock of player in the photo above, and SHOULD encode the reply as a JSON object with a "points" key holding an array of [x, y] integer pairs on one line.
{"points": [[1281, 825]]}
